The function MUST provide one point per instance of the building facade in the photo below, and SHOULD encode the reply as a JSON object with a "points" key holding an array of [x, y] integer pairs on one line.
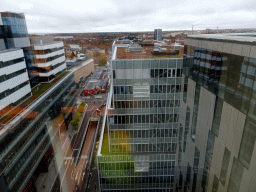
{"points": [[14, 79], [49, 57], [15, 35], [217, 123], [158, 34], [139, 144], [30, 140]]}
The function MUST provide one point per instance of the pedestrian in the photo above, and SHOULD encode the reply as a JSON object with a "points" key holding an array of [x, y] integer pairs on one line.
{"points": [[94, 102]]}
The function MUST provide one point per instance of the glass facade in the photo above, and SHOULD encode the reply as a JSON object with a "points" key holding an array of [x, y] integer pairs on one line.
{"points": [[15, 35], [23, 148], [219, 88], [143, 124]]}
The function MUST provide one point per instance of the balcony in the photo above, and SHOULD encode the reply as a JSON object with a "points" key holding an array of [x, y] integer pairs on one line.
{"points": [[51, 63], [49, 46], [44, 56], [54, 71]]}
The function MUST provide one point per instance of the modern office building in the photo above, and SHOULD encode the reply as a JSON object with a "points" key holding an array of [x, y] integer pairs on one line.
{"points": [[49, 57], [30, 139], [14, 80], [137, 150], [216, 150], [31, 129], [15, 35], [158, 34]]}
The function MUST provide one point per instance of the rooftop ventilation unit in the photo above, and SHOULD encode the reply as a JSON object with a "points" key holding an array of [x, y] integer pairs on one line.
{"points": [[134, 48]]}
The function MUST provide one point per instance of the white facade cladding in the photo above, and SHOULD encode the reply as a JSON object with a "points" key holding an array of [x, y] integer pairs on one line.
{"points": [[54, 71], [49, 56], [14, 80], [49, 46], [51, 63]]}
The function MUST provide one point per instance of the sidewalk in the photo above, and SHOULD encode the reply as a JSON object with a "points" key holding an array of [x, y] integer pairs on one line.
{"points": [[46, 180]]}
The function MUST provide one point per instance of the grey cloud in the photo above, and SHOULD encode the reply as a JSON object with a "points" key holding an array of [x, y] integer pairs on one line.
{"points": [[132, 15]]}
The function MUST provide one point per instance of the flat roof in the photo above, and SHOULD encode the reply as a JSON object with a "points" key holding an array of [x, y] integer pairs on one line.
{"points": [[123, 53], [235, 37]]}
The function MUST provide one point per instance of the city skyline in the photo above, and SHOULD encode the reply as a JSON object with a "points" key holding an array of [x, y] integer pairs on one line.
{"points": [[109, 16]]}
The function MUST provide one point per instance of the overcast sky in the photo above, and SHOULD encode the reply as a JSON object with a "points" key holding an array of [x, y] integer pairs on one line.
{"points": [[71, 16]]}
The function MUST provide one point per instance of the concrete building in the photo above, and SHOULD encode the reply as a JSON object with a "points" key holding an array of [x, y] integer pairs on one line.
{"points": [[158, 34], [138, 148], [14, 35], [31, 139], [216, 150], [31, 129], [49, 57], [14, 79]]}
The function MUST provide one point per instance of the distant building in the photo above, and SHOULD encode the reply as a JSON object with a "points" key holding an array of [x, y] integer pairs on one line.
{"points": [[158, 34], [75, 47], [63, 37], [49, 57]]}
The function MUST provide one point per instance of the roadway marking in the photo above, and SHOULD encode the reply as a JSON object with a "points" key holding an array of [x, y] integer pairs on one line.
{"points": [[83, 175], [72, 174], [64, 143], [84, 157], [76, 175], [79, 177], [67, 158], [64, 174]]}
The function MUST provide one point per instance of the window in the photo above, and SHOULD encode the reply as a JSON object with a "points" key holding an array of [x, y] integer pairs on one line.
{"points": [[247, 142], [224, 167], [235, 176]]}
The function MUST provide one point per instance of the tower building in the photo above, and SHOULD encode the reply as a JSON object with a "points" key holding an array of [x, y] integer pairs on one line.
{"points": [[138, 147], [217, 123]]}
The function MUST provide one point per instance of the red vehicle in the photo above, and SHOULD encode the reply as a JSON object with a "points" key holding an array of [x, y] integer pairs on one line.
{"points": [[89, 92], [103, 89], [97, 89]]}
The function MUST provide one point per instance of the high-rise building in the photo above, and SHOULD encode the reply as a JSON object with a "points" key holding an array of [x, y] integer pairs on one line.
{"points": [[32, 129], [14, 80], [49, 57], [217, 124], [158, 34], [137, 150], [15, 35], [30, 135]]}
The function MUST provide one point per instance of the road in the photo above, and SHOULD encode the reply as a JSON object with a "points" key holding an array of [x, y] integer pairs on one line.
{"points": [[71, 177], [79, 139]]}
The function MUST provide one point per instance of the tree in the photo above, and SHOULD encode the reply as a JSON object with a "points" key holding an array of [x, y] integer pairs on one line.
{"points": [[72, 55], [95, 53], [103, 59]]}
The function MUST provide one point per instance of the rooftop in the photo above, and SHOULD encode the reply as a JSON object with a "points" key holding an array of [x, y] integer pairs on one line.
{"points": [[123, 53], [233, 37]]}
